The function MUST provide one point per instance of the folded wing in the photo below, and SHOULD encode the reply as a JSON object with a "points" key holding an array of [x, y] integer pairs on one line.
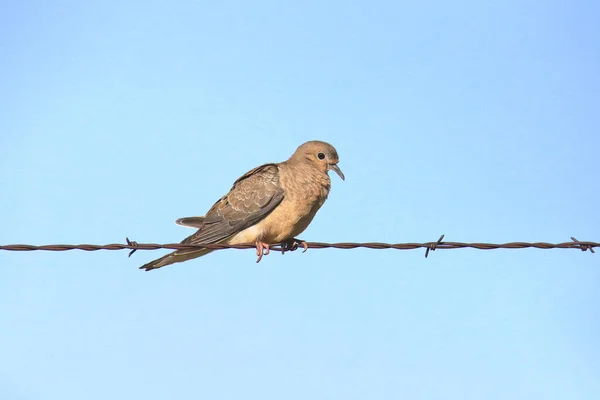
{"points": [[253, 196]]}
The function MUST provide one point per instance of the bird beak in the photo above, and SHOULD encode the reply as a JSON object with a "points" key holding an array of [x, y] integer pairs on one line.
{"points": [[334, 167]]}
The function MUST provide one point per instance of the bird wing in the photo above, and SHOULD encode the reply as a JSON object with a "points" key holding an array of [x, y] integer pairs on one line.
{"points": [[253, 196]]}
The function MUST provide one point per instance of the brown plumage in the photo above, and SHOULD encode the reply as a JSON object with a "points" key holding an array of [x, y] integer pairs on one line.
{"points": [[272, 203]]}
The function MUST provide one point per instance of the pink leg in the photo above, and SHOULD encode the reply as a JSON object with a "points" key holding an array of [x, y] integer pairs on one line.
{"points": [[262, 249]]}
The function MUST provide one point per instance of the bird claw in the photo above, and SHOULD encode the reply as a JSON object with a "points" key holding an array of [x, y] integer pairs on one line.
{"points": [[262, 249], [292, 245]]}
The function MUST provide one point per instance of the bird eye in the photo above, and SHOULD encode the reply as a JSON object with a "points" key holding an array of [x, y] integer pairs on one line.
{"points": [[321, 156]]}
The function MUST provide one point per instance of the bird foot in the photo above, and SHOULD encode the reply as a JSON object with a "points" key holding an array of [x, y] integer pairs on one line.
{"points": [[292, 245], [262, 249]]}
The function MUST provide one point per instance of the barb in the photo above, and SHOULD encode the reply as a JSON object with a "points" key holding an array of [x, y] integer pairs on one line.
{"points": [[583, 246], [429, 246], [133, 245], [433, 246]]}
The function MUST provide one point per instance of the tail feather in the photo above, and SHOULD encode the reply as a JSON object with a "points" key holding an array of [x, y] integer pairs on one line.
{"points": [[174, 257], [191, 222]]}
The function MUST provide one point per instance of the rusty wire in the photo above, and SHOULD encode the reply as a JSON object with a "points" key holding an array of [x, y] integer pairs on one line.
{"points": [[429, 246]]}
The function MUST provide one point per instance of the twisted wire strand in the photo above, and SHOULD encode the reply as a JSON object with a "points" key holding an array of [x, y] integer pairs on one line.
{"points": [[429, 246]]}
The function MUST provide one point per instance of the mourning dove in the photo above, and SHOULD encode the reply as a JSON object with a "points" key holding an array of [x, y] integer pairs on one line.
{"points": [[270, 204]]}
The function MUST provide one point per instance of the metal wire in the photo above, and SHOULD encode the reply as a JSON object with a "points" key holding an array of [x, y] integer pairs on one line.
{"points": [[429, 246]]}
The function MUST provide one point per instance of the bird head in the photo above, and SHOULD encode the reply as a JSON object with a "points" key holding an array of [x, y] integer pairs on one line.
{"points": [[321, 155]]}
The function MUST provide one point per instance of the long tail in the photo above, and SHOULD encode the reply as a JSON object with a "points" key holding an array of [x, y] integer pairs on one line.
{"points": [[175, 257]]}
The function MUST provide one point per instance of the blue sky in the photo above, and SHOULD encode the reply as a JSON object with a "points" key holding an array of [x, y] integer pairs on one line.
{"points": [[476, 120]]}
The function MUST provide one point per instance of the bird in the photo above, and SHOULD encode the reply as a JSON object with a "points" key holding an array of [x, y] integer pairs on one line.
{"points": [[272, 203]]}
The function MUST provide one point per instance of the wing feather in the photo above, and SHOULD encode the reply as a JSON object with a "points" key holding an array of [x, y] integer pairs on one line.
{"points": [[253, 196]]}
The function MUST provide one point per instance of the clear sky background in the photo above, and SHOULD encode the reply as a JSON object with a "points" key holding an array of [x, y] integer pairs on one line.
{"points": [[479, 120]]}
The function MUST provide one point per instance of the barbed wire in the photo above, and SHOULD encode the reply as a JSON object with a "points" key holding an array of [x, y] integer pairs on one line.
{"points": [[429, 246]]}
